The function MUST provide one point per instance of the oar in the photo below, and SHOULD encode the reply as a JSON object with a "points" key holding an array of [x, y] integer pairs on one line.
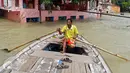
{"points": [[104, 50], [9, 50]]}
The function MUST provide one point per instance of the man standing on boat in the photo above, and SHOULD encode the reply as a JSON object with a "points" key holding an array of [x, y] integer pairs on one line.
{"points": [[70, 33]]}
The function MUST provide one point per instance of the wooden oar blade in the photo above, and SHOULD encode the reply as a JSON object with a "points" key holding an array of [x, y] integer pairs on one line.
{"points": [[6, 50]]}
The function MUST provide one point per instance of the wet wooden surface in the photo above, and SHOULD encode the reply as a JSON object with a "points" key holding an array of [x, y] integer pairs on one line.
{"points": [[57, 55]]}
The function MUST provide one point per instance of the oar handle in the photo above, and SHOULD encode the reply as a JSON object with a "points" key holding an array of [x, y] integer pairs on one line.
{"points": [[104, 50], [113, 54], [121, 57]]}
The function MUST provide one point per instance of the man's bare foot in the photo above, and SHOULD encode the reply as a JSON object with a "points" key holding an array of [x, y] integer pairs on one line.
{"points": [[62, 52]]}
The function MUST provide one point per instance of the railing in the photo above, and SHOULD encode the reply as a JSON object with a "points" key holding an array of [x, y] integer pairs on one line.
{"points": [[70, 6]]}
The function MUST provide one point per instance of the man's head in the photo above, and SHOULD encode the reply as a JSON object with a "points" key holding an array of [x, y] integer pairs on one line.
{"points": [[69, 22]]}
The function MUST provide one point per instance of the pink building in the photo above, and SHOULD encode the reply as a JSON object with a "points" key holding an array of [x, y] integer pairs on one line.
{"points": [[35, 10]]}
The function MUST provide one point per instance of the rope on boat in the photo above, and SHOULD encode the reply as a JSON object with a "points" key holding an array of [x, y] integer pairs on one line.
{"points": [[119, 56], [9, 50]]}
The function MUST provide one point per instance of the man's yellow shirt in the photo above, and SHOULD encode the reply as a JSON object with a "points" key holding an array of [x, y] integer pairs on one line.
{"points": [[70, 33]]}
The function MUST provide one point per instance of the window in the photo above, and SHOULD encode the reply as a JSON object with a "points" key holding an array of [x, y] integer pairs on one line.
{"points": [[28, 4], [16, 3], [7, 3]]}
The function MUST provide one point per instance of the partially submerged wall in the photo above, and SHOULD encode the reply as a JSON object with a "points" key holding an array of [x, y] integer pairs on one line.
{"points": [[32, 13], [12, 15]]}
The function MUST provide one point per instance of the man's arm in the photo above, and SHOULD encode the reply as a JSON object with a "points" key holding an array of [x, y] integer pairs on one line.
{"points": [[75, 36], [59, 30]]}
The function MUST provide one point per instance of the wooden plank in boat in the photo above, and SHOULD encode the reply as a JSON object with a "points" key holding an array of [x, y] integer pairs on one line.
{"points": [[75, 67], [47, 65], [18, 72], [68, 70], [82, 68], [54, 69], [54, 40], [29, 64], [87, 68], [70, 67], [36, 64], [57, 55]]}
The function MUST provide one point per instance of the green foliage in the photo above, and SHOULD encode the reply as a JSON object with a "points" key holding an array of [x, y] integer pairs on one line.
{"points": [[46, 1], [129, 3], [75, 1], [124, 5]]}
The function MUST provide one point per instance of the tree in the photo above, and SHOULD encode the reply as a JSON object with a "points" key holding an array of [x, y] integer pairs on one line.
{"points": [[128, 2], [75, 1], [46, 1]]}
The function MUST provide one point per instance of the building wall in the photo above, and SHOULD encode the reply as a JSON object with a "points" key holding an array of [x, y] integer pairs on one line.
{"points": [[30, 13], [12, 8], [0, 3], [68, 14], [115, 9], [27, 13], [20, 14], [12, 15]]}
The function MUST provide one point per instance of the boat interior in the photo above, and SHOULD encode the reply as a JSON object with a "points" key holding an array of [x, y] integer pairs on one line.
{"points": [[45, 60], [57, 47]]}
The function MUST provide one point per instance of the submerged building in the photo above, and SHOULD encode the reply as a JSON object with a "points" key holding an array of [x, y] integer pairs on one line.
{"points": [[46, 10]]}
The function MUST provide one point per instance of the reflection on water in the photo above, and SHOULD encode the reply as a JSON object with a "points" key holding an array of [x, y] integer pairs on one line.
{"points": [[110, 33]]}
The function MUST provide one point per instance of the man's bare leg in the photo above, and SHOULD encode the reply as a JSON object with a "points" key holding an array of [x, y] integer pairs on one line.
{"points": [[64, 45]]}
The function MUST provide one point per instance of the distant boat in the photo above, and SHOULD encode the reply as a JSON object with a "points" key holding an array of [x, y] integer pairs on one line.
{"points": [[43, 55]]}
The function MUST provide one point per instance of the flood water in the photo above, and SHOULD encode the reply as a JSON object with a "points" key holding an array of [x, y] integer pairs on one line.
{"points": [[110, 33]]}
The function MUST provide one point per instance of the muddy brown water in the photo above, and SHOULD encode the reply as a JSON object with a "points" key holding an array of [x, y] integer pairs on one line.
{"points": [[110, 33]]}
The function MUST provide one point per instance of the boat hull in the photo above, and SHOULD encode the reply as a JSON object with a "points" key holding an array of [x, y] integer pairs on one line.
{"points": [[35, 59]]}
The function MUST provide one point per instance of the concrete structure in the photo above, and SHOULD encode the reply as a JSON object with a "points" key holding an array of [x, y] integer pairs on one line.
{"points": [[115, 9], [14, 10]]}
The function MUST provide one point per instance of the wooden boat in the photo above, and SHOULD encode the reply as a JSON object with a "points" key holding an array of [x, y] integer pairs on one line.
{"points": [[43, 55]]}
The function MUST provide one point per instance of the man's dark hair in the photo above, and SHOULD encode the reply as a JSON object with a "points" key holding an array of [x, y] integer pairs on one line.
{"points": [[70, 20]]}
